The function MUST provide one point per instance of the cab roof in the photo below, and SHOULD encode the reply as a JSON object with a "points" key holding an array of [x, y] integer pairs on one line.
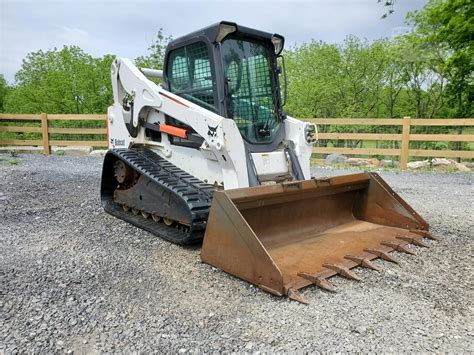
{"points": [[212, 32]]}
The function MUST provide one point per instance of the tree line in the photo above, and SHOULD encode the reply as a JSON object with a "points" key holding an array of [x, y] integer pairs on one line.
{"points": [[426, 73]]}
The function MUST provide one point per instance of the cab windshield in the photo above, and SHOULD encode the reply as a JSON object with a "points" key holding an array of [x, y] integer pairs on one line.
{"points": [[251, 89]]}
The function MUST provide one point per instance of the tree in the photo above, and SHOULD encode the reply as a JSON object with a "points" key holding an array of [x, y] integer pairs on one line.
{"points": [[422, 76], [156, 56], [394, 81], [4, 88], [312, 70], [361, 77], [447, 29], [389, 5], [61, 81], [336, 81]]}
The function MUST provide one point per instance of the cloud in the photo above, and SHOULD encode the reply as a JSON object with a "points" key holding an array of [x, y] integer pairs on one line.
{"points": [[72, 35], [128, 28]]}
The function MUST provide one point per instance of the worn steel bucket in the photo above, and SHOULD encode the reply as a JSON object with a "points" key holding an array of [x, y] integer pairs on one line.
{"points": [[287, 236]]}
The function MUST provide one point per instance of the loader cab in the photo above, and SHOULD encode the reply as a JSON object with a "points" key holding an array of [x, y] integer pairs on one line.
{"points": [[231, 70]]}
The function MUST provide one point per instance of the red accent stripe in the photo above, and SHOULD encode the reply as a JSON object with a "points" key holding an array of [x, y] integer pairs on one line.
{"points": [[108, 133], [173, 99]]}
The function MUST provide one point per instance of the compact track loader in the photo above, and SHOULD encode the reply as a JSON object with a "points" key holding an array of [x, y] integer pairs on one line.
{"points": [[210, 154]]}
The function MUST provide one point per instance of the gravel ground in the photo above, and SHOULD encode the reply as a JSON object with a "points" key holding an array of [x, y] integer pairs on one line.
{"points": [[74, 279]]}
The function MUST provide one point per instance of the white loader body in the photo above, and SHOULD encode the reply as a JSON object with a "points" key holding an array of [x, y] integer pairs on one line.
{"points": [[221, 159]]}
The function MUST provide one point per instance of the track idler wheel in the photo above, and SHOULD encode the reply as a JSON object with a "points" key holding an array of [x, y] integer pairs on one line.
{"points": [[123, 173]]}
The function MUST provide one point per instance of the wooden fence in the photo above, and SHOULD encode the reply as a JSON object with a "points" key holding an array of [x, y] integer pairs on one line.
{"points": [[45, 129], [404, 138]]}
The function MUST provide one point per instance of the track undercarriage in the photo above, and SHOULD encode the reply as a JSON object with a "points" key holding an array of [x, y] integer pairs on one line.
{"points": [[144, 189]]}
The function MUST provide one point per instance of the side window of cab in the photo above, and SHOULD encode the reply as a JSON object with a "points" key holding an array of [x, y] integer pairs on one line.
{"points": [[190, 74]]}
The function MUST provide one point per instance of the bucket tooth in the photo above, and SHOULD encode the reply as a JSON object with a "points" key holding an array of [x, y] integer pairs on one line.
{"points": [[362, 262], [343, 271], [413, 241], [318, 281], [382, 255], [424, 234], [398, 247], [297, 296]]}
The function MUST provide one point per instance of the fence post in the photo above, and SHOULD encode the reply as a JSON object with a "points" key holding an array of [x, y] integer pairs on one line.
{"points": [[44, 127], [405, 143]]}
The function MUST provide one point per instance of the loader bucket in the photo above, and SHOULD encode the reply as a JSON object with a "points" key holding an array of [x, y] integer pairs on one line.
{"points": [[287, 236]]}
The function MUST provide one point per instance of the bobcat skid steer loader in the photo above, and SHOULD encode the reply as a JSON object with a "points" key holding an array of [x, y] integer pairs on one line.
{"points": [[209, 153]]}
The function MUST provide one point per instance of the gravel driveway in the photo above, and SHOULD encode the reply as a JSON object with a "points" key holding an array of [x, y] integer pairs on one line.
{"points": [[74, 279]]}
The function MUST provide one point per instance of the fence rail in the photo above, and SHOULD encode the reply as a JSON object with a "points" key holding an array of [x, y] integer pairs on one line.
{"points": [[404, 135], [404, 138], [46, 130]]}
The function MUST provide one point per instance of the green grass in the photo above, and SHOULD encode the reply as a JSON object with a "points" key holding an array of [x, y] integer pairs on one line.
{"points": [[10, 161]]}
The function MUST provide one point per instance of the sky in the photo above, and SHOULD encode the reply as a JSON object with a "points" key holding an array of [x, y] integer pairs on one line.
{"points": [[127, 28]]}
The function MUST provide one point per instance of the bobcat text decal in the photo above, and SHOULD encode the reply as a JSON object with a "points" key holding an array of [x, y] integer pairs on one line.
{"points": [[117, 142]]}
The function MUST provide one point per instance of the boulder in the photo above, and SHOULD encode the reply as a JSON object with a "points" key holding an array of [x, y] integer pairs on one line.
{"points": [[449, 165], [442, 161], [335, 159], [21, 149], [98, 153], [418, 164], [439, 164], [358, 161], [387, 162], [374, 162], [74, 151], [462, 167]]}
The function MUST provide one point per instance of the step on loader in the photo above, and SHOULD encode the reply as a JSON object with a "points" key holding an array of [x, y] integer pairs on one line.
{"points": [[202, 151]]}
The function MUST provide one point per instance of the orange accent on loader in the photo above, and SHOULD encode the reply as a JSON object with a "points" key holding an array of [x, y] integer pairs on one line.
{"points": [[174, 131]]}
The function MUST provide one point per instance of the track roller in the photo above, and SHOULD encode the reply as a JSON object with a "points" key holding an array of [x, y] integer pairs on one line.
{"points": [[169, 222], [155, 217]]}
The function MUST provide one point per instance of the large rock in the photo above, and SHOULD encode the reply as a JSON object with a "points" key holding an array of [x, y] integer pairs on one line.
{"points": [[442, 161], [98, 153], [74, 151], [359, 161], [387, 163], [439, 164], [374, 162], [335, 159], [462, 167], [420, 164], [21, 149], [449, 165]]}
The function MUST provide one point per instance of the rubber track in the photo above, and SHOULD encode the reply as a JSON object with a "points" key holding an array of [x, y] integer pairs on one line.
{"points": [[197, 195]]}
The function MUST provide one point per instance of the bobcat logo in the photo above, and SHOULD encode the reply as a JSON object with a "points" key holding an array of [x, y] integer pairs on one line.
{"points": [[212, 132]]}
